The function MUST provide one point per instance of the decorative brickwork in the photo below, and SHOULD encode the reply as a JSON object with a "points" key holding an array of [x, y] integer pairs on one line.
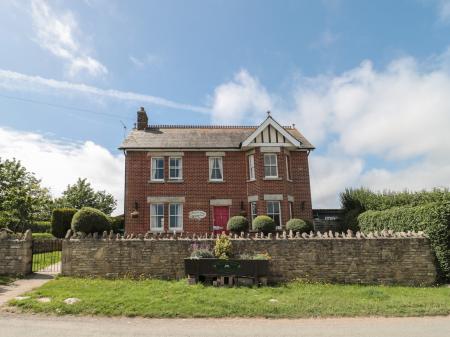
{"points": [[376, 258], [15, 253]]}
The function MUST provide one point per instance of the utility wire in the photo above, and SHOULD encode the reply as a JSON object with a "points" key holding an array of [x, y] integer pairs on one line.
{"points": [[60, 106]]}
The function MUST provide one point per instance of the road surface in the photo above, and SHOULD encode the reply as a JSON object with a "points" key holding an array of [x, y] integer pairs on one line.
{"points": [[17, 325]]}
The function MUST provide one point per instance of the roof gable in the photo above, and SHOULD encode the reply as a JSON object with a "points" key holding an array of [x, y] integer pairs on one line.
{"points": [[270, 132]]}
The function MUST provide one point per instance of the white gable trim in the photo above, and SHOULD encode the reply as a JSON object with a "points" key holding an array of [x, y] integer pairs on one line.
{"points": [[276, 126]]}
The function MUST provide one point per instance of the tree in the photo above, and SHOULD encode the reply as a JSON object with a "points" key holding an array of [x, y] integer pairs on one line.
{"points": [[81, 194], [22, 199]]}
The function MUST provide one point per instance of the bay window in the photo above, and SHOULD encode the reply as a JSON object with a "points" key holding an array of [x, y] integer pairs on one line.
{"points": [[270, 165], [273, 211]]}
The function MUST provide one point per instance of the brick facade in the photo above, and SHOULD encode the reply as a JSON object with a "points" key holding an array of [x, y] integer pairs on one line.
{"points": [[198, 191]]}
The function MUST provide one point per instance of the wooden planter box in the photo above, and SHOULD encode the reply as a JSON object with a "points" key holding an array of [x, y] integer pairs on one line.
{"points": [[215, 268]]}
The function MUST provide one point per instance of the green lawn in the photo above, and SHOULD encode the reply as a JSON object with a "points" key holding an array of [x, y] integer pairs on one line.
{"points": [[155, 298], [4, 280], [43, 260]]}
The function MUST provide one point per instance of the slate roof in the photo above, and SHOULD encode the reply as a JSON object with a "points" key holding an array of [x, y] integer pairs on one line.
{"points": [[191, 137]]}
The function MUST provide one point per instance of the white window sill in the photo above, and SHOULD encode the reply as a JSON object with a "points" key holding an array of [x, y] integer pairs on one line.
{"points": [[176, 230], [216, 181], [156, 181], [175, 181], [157, 230], [290, 180], [272, 178], [250, 180]]}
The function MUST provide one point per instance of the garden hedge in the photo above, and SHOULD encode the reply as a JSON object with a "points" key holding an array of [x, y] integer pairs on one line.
{"points": [[432, 218], [61, 221], [264, 223], [90, 220], [237, 224], [117, 223], [299, 225]]}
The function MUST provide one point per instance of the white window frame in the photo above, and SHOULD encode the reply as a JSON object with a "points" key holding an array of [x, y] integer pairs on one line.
{"points": [[211, 164], [279, 209], [180, 159], [255, 214], [291, 209], [271, 165], [153, 217], [251, 167], [179, 215], [154, 168]]}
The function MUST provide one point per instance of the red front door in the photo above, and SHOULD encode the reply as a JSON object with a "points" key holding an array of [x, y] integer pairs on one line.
{"points": [[221, 216]]}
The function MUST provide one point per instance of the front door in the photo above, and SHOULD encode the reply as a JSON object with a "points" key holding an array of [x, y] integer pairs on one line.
{"points": [[221, 216]]}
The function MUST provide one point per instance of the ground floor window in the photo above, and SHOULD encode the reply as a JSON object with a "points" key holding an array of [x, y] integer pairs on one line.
{"points": [[175, 216], [253, 211], [157, 217], [273, 210]]}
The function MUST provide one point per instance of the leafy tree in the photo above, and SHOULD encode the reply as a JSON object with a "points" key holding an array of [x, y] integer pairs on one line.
{"points": [[22, 199], [81, 194]]}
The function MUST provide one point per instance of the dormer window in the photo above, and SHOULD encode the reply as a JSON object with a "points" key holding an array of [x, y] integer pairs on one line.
{"points": [[270, 165]]}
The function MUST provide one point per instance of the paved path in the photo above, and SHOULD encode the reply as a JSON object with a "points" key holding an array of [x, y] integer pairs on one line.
{"points": [[16, 325], [21, 286]]}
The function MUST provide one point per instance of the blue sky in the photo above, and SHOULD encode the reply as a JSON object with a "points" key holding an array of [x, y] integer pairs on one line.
{"points": [[366, 81]]}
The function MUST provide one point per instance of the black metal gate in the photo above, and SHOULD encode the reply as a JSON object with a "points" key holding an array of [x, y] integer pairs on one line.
{"points": [[47, 255]]}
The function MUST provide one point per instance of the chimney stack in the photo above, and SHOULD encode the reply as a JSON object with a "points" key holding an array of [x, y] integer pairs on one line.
{"points": [[142, 119]]}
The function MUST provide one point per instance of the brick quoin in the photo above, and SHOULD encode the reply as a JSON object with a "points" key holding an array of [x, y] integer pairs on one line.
{"points": [[198, 191]]}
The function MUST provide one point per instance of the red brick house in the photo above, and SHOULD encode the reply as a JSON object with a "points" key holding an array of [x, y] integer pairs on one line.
{"points": [[193, 178]]}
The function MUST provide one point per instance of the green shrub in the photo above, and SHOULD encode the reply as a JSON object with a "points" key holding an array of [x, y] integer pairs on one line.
{"points": [[202, 254], [42, 236], [117, 223], [237, 224], [61, 221], [90, 220], [298, 225], [264, 223], [432, 218], [39, 227], [222, 247]]}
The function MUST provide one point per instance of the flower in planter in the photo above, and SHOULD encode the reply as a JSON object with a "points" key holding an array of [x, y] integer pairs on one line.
{"points": [[223, 247]]}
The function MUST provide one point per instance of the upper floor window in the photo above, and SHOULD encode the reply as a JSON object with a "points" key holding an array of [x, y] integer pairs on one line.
{"points": [[158, 169], [157, 217], [273, 210], [175, 216], [251, 167], [270, 165], [175, 168], [215, 169]]}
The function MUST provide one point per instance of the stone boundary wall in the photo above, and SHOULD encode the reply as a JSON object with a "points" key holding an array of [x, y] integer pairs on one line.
{"points": [[376, 258], [15, 253]]}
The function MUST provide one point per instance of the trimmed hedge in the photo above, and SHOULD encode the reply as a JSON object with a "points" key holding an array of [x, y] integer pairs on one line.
{"points": [[61, 221], [237, 224], [299, 225], [117, 223], [264, 223], [90, 220], [432, 218], [39, 227]]}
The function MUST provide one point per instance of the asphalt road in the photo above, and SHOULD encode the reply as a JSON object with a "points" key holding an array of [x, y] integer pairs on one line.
{"points": [[16, 325]]}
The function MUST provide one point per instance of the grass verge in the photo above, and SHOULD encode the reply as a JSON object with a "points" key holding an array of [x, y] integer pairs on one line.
{"points": [[156, 298]]}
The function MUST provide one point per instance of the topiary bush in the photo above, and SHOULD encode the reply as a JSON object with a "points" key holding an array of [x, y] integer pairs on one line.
{"points": [[90, 220], [237, 224], [61, 221], [222, 247], [299, 225], [432, 218], [264, 223]]}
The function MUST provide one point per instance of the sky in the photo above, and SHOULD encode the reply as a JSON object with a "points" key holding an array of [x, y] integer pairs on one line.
{"points": [[367, 82]]}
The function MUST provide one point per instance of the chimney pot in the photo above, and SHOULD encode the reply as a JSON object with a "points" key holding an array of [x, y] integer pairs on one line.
{"points": [[142, 119]]}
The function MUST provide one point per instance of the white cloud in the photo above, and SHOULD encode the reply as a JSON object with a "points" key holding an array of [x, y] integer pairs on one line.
{"points": [[242, 98], [398, 117], [59, 163], [14, 81], [57, 32], [443, 8], [149, 59]]}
